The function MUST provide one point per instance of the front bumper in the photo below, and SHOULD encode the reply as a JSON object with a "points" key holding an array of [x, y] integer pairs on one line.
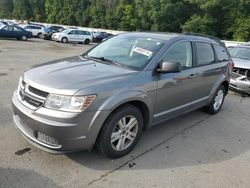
{"points": [[240, 82], [55, 38], [62, 132]]}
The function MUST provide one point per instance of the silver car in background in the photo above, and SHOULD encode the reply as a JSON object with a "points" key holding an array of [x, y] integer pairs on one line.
{"points": [[73, 35], [240, 79]]}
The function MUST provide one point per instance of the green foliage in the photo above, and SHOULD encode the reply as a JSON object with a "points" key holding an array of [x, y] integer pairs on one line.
{"points": [[6, 7], [227, 19]]}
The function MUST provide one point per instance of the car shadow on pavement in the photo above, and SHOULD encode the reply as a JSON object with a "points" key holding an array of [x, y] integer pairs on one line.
{"points": [[192, 139], [24, 178]]}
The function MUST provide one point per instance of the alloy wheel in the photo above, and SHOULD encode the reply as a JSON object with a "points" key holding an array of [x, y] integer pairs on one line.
{"points": [[124, 133]]}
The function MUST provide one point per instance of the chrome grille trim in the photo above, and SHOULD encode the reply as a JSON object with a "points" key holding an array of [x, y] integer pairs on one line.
{"points": [[31, 97]]}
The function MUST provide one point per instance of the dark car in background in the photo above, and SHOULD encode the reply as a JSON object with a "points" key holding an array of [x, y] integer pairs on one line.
{"points": [[13, 31], [49, 31], [99, 36], [240, 79]]}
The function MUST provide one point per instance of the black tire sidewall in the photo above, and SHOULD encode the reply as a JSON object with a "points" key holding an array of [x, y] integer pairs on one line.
{"points": [[24, 38], [211, 109], [104, 142], [65, 41], [87, 41]]}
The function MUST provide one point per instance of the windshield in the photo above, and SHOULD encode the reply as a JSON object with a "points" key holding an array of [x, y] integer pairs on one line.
{"points": [[240, 53], [65, 31], [129, 51]]}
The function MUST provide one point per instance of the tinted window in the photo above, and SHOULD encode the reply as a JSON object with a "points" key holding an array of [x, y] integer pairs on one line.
{"points": [[73, 32], [80, 32], [221, 53], [180, 52], [205, 53], [84, 32], [37, 27], [17, 29], [8, 28]]}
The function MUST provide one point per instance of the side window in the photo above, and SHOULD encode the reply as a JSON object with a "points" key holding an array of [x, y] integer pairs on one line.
{"points": [[205, 53], [73, 32], [221, 53], [7, 28], [180, 52], [17, 29], [81, 32]]}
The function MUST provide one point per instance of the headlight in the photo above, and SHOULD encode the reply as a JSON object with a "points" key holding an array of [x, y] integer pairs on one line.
{"points": [[68, 103]]}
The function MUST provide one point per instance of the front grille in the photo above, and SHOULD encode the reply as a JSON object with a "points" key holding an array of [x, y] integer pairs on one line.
{"points": [[32, 102], [243, 72], [38, 92], [31, 97]]}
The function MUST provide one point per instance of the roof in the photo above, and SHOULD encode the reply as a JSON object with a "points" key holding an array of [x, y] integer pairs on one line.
{"points": [[168, 36]]}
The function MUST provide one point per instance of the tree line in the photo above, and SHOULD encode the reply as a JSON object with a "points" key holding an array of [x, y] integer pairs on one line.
{"points": [[226, 19]]}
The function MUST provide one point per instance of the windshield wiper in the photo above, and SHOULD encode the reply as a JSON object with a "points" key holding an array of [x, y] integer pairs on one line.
{"points": [[105, 60]]}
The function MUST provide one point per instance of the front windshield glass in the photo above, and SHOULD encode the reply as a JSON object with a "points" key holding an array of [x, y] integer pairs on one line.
{"points": [[129, 51], [240, 53], [65, 31]]}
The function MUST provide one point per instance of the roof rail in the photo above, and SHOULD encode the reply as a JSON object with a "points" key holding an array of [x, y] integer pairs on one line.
{"points": [[207, 36]]}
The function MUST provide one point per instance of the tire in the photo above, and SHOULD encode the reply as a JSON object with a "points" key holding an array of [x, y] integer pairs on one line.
{"points": [[64, 40], [39, 35], [217, 102], [43, 37], [24, 38], [87, 41], [124, 137]]}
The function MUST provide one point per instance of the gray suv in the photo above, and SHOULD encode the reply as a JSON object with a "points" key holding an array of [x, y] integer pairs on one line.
{"points": [[107, 96]]}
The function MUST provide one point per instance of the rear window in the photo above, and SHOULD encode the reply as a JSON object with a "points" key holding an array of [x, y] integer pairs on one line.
{"points": [[221, 53], [205, 53]]}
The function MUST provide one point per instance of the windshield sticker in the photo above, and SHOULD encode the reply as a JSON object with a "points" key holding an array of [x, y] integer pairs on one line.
{"points": [[142, 51]]}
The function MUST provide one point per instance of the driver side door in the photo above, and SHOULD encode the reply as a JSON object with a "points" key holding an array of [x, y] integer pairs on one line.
{"points": [[175, 90]]}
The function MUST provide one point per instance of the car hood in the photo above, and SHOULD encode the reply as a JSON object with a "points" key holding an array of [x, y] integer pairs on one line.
{"points": [[241, 63], [67, 76]]}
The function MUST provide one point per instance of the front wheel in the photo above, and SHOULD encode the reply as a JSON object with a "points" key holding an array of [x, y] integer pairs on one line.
{"points": [[64, 40], [120, 132], [217, 102], [24, 38]]}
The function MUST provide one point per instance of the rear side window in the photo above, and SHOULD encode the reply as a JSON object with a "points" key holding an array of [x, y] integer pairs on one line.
{"points": [[205, 53], [221, 53]]}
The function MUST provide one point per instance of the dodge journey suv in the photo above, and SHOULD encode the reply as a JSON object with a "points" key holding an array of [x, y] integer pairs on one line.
{"points": [[107, 96]]}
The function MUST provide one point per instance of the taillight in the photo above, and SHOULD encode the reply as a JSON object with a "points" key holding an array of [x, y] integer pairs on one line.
{"points": [[231, 64]]}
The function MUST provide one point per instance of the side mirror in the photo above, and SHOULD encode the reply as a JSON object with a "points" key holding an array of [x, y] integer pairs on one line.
{"points": [[169, 67]]}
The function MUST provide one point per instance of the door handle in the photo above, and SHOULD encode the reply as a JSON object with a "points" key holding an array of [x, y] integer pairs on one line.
{"points": [[193, 75], [218, 70]]}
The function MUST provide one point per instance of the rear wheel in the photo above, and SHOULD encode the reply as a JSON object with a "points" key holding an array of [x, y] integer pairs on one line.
{"points": [[39, 35], [64, 40], [120, 132], [87, 41], [217, 101]]}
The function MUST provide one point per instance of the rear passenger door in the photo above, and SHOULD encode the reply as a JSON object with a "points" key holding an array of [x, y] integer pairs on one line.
{"points": [[208, 67], [80, 35]]}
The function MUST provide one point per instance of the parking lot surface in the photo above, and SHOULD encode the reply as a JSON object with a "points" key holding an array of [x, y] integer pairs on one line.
{"points": [[194, 150]]}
